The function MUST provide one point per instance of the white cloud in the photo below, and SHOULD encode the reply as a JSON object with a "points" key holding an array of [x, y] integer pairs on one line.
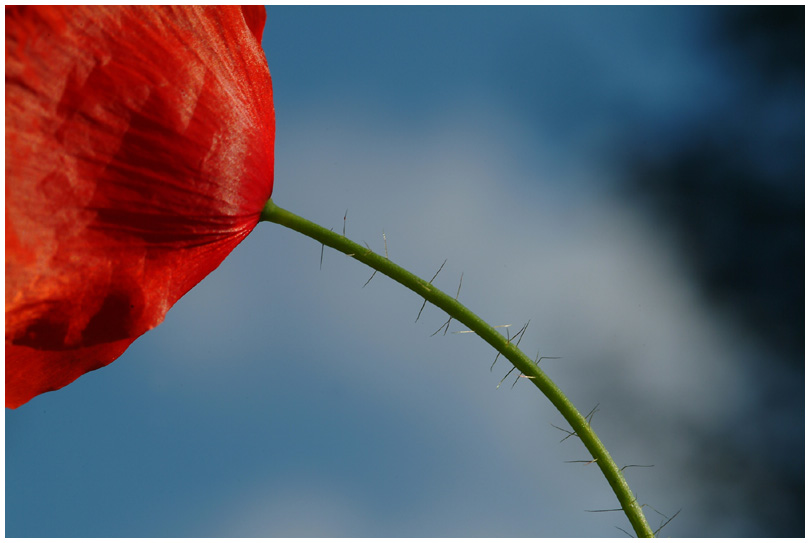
{"points": [[603, 286]]}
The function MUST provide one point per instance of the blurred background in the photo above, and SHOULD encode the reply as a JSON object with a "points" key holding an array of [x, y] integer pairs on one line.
{"points": [[630, 180]]}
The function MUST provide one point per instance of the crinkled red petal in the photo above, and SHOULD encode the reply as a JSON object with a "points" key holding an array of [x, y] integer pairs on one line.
{"points": [[139, 153]]}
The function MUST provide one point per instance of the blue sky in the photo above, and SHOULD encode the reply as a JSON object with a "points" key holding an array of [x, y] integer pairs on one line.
{"points": [[280, 399]]}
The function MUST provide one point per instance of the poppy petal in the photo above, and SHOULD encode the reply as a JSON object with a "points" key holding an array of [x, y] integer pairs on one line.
{"points": [[139, 153]]}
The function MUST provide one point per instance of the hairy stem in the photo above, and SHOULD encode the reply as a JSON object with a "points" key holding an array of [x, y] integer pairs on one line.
{"points": [[504, 346]]}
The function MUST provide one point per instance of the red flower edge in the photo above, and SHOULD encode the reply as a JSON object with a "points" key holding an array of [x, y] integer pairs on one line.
{"points": [[139, 153]]}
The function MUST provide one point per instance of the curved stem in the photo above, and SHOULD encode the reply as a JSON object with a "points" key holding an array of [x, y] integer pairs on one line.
{"points": [[457, 311]]}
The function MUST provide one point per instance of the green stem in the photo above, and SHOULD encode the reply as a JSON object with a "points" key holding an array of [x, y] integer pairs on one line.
{"points": [[457, 311]]}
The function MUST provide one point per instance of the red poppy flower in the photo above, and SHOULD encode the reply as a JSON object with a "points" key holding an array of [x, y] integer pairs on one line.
{"points": [[139, 153]]}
